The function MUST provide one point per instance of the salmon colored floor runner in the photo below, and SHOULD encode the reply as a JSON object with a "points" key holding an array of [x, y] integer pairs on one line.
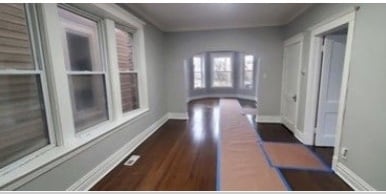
{"points": [[243, 165]]}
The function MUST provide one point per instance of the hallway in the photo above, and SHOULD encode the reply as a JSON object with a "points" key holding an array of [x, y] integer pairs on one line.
{"points": [[183, 155]]}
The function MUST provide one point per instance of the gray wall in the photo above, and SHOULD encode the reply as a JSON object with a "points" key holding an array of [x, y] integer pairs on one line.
{"points": [[64, 175], [364, 122], [264, 43], [237, 88]]}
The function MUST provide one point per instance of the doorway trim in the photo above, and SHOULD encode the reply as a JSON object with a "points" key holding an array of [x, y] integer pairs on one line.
{"points": [[314, 74], [299, 38]]}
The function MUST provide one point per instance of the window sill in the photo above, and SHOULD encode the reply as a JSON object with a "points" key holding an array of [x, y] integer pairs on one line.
{"points": [[47, 158], [222, 87], [198, 88]]}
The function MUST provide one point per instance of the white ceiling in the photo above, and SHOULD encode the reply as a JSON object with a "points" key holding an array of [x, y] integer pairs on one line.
{"points": [[200, 16]]}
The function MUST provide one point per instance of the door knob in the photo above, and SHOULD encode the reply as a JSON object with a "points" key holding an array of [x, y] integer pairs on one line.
{"points": [[294, 98]]}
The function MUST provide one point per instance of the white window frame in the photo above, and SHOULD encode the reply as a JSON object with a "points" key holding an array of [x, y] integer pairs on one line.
{"points": [[202, 72], [138, 73], [38, 60], [103, 63], [243, 71], [68, 144], [220, 55]]}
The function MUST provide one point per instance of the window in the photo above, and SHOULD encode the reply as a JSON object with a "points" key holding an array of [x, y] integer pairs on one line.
{"points": [[77, 82], [248, 71], [198, 72], [86, 73], [222, 71], [127, 71], [23, 123]]}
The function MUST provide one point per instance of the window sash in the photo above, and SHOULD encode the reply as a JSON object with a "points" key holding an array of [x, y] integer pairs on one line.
{"points": [[246, 70], [125, 56], [36, 51], [198, 83], [228, 69], [98, 68]]}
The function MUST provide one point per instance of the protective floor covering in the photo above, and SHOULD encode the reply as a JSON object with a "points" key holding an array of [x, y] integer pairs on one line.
{"points": [[292, 155], [242, 163]]}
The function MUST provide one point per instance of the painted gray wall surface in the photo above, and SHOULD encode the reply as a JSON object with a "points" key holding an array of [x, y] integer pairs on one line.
{"points": [[65, 174], [264, 43], [364, 121], [237, 71]]}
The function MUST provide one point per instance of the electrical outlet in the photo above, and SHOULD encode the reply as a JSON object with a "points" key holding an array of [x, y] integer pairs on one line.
{"points": [[344, 153]]}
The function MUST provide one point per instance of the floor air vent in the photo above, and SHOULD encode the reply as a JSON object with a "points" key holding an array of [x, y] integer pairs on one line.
{"points": [[131, 161]]}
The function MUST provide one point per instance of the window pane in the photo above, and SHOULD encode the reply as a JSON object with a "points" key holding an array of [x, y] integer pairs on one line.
{"points": [[79, 52], [198, 81], [81, 37], [222, 64], [15, 50], [125, 50], [248, 77], [197, 64], [88, 100], [23, 127], [222, 72], [222, 79], [129, 91], [248, 71]]}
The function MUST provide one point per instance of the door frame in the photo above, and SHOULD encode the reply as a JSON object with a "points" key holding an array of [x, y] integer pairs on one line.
{"points": [[314, 74], [299, 38]]}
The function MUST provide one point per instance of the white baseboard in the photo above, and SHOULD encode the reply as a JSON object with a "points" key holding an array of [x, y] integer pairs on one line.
{"points": [[356, 182], [178, 116], [90, 179], [268, 119], [299, 135]]}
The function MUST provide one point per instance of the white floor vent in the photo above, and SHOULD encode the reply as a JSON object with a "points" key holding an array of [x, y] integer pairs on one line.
{"points": [[131, 161]]}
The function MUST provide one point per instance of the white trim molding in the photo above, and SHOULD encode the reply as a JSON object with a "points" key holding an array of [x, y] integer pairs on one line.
{"points": [[351, 178], [268, 119], [314, 73], [178, 116], [292, 125], [91, 178]]}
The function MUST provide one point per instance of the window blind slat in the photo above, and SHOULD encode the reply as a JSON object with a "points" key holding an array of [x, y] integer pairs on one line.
{"points": [[12, 10], [14, 42], [11, 18]]}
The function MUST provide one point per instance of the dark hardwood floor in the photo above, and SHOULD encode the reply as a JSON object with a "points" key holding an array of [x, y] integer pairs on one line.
{"points": [[182, 155], [324, 153], [274, 132], [311, 180]]}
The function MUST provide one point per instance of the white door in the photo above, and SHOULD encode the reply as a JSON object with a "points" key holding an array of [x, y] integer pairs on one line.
{"points": [[291, 76], [330, 85]]}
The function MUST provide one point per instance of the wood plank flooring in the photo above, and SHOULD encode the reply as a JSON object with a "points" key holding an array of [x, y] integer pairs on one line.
{"points": [[182, 155]]}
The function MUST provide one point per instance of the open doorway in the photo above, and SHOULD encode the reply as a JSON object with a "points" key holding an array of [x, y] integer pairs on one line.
{"points": [[332, 50], [328, 73]]}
